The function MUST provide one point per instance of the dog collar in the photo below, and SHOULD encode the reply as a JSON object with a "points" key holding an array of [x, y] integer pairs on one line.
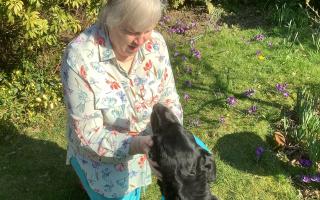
{"points": [[201, 144]]}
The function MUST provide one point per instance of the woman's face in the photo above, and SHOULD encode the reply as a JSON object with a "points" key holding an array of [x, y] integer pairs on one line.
{"points": [[126, 41]]}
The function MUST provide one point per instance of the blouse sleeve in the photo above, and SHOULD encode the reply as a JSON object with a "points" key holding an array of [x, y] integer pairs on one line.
{"points": [[169, 96], [86, 130]]}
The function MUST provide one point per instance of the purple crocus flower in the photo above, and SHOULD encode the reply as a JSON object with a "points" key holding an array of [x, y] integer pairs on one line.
{"points": [[249, 92], [259, 152], [180, 28], [166, 18], [196, 53], [306, 179], [186, 97], [188, 83], [315, 178], [222, 120], [259, 37], [193, 24], [231, 101], [305, 162], [184, 58], [258, 52], [252, 109], [281, 87]]}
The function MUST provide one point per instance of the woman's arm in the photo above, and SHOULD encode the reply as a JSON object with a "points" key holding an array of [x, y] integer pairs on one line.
{"points": [[169, 96]]}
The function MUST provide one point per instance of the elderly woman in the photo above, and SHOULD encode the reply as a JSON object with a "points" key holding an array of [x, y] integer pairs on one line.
{"points": [[113, 73]]}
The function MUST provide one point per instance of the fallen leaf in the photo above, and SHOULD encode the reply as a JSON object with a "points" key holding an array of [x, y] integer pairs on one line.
{"points": [[279, 138]]}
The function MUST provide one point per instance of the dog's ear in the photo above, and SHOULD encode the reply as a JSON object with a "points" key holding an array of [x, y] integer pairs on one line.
{"points": [[208, 165]]}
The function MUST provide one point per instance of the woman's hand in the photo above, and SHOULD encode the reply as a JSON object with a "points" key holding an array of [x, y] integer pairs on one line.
{"points": [[140, 145]]}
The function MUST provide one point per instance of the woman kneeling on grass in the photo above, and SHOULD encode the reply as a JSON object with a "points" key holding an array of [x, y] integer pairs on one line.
{"points": [[113, 73]]}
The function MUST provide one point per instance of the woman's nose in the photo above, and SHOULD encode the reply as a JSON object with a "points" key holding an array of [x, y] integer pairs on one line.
{"points": [[140, 39]]}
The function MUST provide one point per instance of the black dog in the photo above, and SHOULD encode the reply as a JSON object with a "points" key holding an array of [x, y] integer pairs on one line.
{"points": [[186, 168]]}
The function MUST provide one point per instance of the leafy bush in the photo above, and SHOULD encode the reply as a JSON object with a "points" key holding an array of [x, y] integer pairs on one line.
{"points": [[179, 3], [28, 93], [27, 26]]}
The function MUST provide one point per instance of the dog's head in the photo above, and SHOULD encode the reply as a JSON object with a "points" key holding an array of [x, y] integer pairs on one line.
{"points": [[175, 149]]}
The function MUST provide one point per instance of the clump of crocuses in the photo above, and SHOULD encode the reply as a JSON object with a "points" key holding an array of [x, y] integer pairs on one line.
{"points": [[186, 96], [282, 88], [231, 101], [305, 162], [196, 53], [222, 120], [259, 37], [310, 179], [249, 92], [181, 28], [252, 109], [164, 20]]}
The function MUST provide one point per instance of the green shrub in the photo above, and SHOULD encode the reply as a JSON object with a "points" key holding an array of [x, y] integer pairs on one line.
{"points": [[179, 3], [28, 93], [27, 26]]}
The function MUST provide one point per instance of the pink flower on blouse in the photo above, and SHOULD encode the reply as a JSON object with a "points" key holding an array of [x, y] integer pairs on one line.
{"points": [[83, 72], [148, 46], [100, 40], [165, 75], [115, 85], [148, 66], [102, 151], [142, 160]]}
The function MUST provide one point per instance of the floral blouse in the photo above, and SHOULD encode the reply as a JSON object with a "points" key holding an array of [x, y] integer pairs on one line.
{"points": [[108, 106]]}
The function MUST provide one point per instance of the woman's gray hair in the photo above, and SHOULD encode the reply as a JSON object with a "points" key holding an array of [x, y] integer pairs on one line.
{"points": [[139, 14]]}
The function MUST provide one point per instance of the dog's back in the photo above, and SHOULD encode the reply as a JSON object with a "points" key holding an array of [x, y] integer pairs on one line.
{"points": [[186, 168]]}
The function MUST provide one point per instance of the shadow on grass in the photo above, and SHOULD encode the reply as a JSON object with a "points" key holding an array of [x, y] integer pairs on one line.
{"points": [[34, 169], [239, 151]]}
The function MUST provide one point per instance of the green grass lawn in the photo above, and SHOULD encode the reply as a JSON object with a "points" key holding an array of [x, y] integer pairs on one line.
{"points": [[32, 161]]}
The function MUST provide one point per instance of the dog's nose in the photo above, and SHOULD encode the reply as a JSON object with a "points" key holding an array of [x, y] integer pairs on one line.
{"points": [[158, 106]]}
